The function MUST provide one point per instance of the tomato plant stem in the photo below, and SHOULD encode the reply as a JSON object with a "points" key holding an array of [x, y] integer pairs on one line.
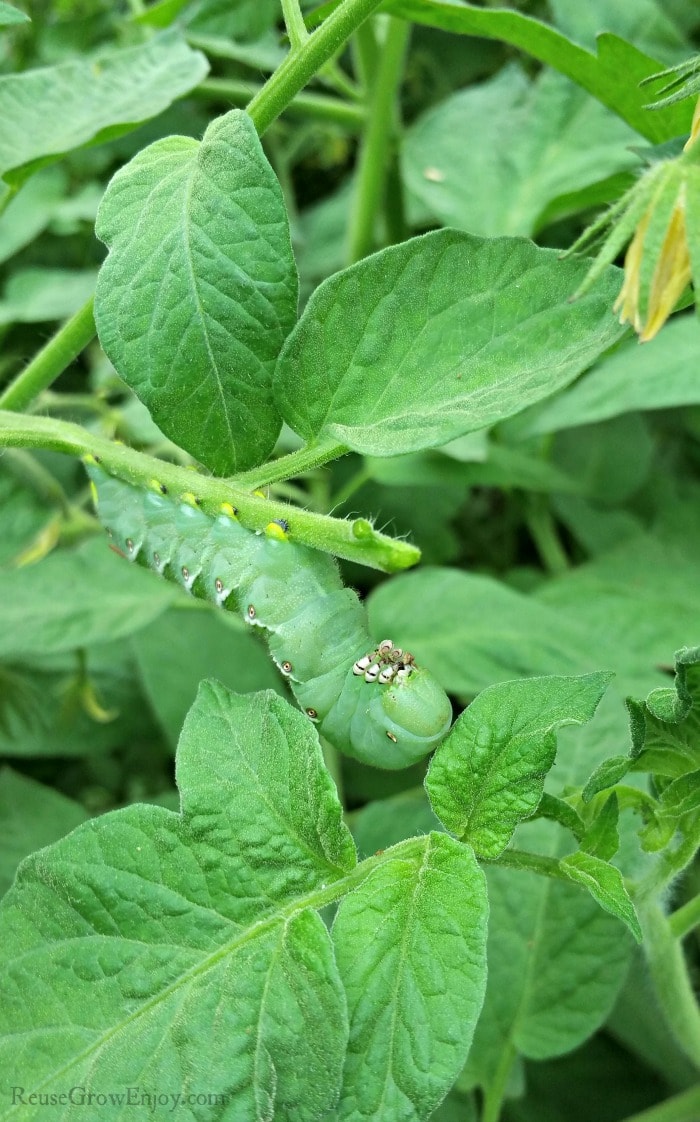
{"points": [[294, 22], [52, 360], [300, 66], [355, 540], [375, 150]]}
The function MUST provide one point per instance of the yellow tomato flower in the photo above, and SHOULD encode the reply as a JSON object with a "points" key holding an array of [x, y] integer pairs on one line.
{"points": [[662, 214]]}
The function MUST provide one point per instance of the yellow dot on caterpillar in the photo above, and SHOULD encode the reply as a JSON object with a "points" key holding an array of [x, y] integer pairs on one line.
{"points": [[312, 713], [229, 510], [185, 573], [251, 612], [219, 585], [190, 499], [286, 668], [391, 736]]}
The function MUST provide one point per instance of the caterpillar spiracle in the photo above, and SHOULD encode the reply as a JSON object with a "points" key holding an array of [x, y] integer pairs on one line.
{"points": [[370, 701]]}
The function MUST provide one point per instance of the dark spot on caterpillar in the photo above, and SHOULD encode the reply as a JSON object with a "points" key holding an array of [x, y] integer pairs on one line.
{"points": [[97, 459], [162, 488], [185, 573], [251, 612], [391, 736], [197, 500], [312, 713], [235, 512], [130, 545], [286, 668], [282, 523], [219, 585]]}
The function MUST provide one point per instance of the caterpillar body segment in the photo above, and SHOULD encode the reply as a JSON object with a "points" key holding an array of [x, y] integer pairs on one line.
{"points": [[372, 703]]}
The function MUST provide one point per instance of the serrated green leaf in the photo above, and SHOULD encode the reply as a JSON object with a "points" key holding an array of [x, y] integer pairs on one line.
{"points": [[601, 838], [599, 74], [556, 963], [74, 598], [518, 181], [31, 816], [199, 289], [489, 772], [410, 945], [439, 336], [642, 23], [606, 886], [175, 952], [52, 111]]}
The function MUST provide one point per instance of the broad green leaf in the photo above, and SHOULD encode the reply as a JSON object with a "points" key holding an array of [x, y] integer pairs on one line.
{"points": [[50, 112], [410, 947], [519, 178], [643, 597], [74, 598], [181, 648], [659, 375], [37, 294], [606, 886], [9, 14], [31, 210], [612, 76], [176, 951], [556, 963], [643, 23], [489, 773], [611, 460], [438, 336], [199, 289], [31, 816], [472, 630]]}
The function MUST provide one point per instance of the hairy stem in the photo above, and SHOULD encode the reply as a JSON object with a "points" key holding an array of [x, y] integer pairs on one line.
{"points": [[319, 107], [356, 540], [669, 974], [496, 1090], [294, 23], [685, 918], [374, 157], [532, 863], [51, 360], [300, 66], [295, 463]]}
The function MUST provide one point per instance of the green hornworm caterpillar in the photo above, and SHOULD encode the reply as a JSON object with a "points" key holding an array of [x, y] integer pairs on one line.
{"points": [[371, 702]]}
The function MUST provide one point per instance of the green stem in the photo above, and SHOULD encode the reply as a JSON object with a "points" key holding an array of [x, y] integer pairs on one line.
{"points": [[301, 65], [684, 1107], [669, 975], [317, 106], [51, 360], [355, 541], [543, 532], [295, 463], [685, 918], [294, 22], [374, 156], [496, 1090], [530, 862]]}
